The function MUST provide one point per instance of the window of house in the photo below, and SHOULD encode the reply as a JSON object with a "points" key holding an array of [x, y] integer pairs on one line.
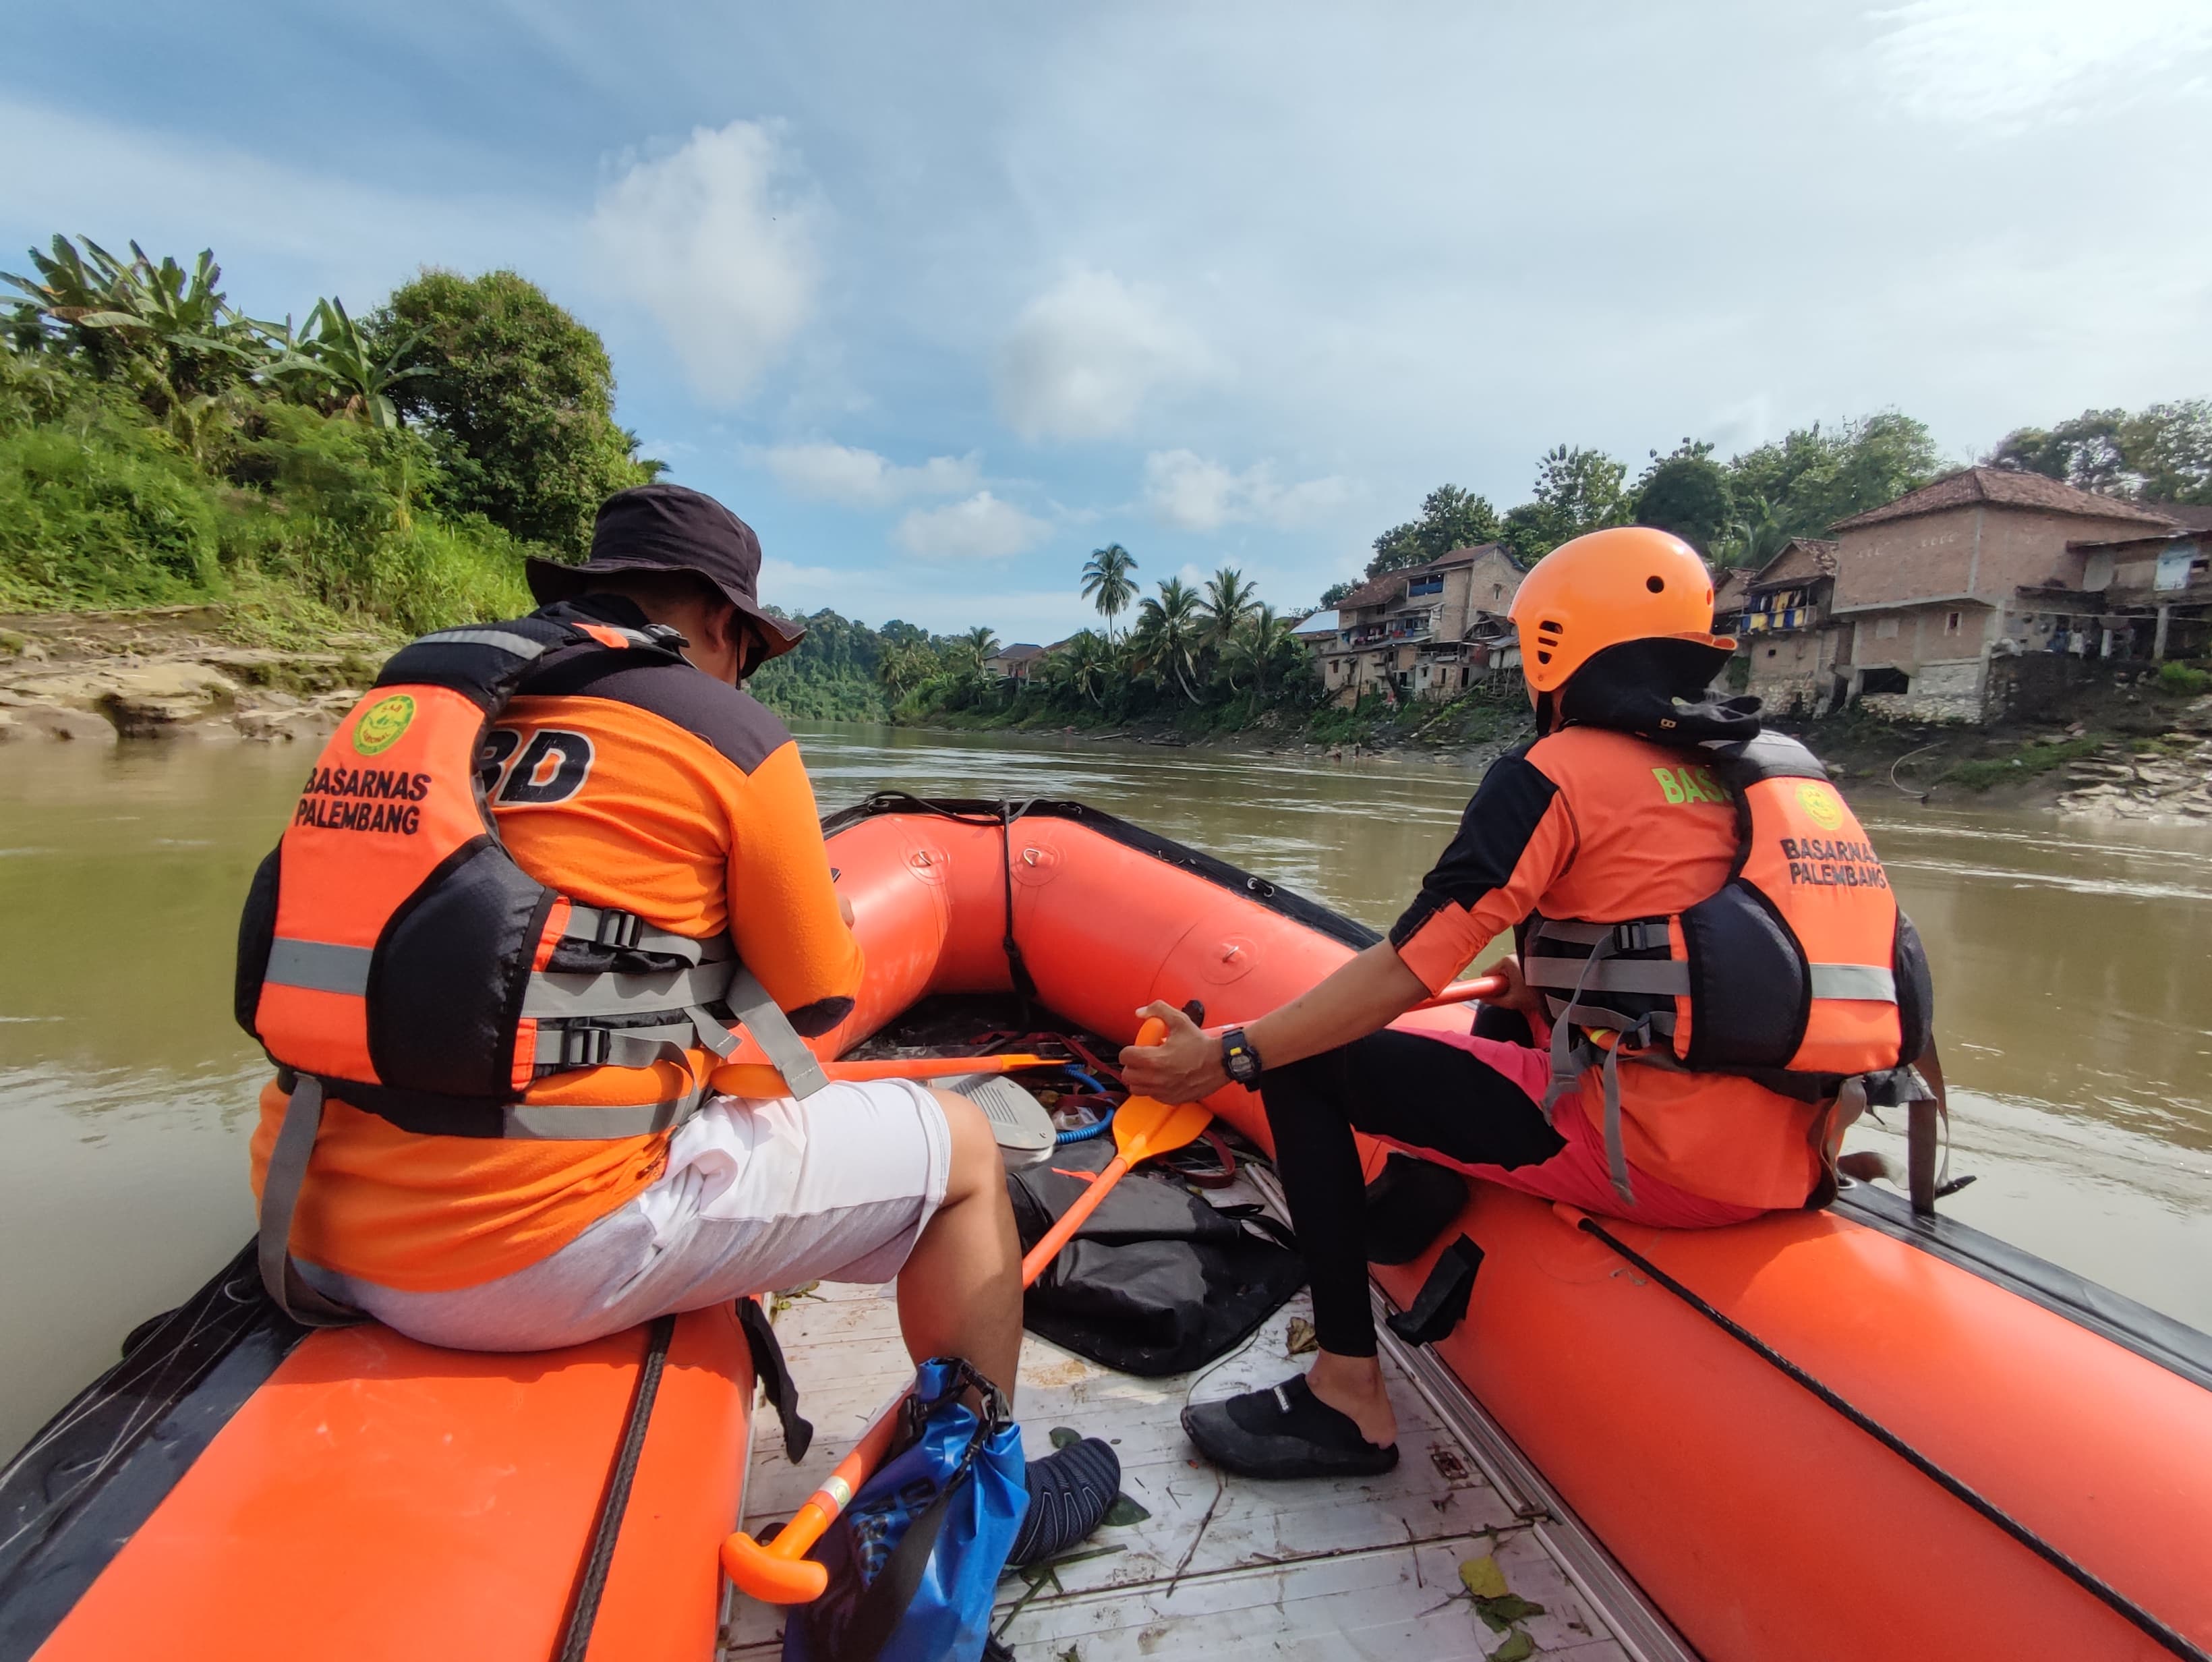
{"points": [[1951, 623], [1770, 652], [1497, 591]]}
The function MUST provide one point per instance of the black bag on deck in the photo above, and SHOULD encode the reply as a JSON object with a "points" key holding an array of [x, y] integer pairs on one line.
{"points": [[1155, 1281]]}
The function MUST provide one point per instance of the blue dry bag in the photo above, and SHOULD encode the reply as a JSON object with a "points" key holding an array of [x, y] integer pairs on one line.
{"points": [[915, 1559]]}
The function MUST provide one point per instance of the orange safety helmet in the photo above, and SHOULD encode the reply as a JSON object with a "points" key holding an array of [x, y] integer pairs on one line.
{"points": [[1632, 582]]}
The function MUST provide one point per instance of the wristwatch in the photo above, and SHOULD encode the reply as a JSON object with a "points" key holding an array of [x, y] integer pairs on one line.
{"points": [[1239, 1060]]}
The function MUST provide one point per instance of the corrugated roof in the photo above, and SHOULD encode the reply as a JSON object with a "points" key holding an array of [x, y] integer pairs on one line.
{"points": [[1380, 591], [2002, 488]]}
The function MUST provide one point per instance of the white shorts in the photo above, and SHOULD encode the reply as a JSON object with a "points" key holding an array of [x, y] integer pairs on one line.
{"points": [[758, 1196]]}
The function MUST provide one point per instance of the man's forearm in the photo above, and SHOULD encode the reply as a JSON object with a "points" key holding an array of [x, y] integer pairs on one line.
{"points": [[1369, 992]]}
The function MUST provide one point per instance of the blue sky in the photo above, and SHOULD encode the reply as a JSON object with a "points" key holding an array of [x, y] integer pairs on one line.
{"points": [[940, 298]]}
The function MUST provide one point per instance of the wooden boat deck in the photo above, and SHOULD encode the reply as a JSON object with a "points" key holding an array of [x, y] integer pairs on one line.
{"points": [[1223, 1567]]}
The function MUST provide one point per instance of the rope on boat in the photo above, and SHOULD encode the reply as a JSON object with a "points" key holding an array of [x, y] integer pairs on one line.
{"points": [[606, 1528], [2088, 1581]]}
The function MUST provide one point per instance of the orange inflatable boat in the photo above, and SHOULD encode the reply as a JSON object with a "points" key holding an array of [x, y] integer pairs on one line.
{"points": [[1849, 1433]]}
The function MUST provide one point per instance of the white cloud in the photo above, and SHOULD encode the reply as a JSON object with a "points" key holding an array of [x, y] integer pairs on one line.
{"points": [[980, 528], [720, 248], [1084, 356], [861, 478], [1999, 63], [1185, 490]]}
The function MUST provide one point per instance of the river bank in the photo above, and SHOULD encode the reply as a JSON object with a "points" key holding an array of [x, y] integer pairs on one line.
{"points": [[206, 674]]}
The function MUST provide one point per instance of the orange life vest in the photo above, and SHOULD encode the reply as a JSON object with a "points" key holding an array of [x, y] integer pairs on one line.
{"points": [[394, 955], [1800, 971]]}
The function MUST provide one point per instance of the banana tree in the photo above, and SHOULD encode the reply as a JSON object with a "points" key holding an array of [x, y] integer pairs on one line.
{"points": [[169, 331], [333, 353]]}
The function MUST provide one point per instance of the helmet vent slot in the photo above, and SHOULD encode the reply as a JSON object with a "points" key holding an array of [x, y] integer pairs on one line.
{"points": [[1656, 585]]}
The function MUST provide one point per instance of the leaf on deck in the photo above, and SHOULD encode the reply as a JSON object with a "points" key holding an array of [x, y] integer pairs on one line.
{"points": [[1482, 1577], [1500, 1614], [1303, 1338], [1065, 1436], [1518, 1648], [1123, 1513]]}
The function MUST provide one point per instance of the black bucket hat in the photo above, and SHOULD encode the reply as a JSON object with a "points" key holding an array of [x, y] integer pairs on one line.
{"points": [[671, 527]]}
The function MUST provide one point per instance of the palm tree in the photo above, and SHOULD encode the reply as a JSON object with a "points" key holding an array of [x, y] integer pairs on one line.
{"points": [[1170, 634], [981, 641], [1107, 582], [1083, 665], [1264, 649], [1227, 601], [1755, 536]]}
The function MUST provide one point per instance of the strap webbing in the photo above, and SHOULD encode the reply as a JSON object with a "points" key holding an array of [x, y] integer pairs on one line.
{"points": [[280, 1200], [774, 1375], [560, 994], [772, 1030], [1656, 977]]}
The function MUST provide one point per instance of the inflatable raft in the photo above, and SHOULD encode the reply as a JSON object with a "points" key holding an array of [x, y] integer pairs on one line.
{"points": [[1850, 1433]]}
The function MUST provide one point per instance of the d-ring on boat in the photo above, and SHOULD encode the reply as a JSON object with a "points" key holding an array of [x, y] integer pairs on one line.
{"points": [[1848, 1433]]}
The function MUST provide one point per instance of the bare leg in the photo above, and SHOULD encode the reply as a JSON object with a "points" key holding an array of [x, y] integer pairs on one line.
{"points": [[960, 1293], [1352, 1385]]}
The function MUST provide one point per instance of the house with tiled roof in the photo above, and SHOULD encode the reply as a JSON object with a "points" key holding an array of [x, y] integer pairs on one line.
{"points": [[1982, 566], [1017, 662], [1427, 632], [1779, 615]]}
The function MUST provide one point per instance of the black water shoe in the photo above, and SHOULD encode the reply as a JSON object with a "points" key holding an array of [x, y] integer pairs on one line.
{"points": [[1071, 1491], [1285, 1431]]}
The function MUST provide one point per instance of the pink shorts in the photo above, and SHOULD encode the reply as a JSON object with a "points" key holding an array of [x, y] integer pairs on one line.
{"points": [[1577, 1174]]}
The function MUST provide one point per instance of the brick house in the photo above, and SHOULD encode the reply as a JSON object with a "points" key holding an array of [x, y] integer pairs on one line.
{"points": [[1981, 565], [1429, 631], [1779, 615], [2152, 592]]}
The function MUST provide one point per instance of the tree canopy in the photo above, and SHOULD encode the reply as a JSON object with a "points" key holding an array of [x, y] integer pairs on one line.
{"points": [[1686, 493], [518, 398], [1450, 518], [2160, 453]]}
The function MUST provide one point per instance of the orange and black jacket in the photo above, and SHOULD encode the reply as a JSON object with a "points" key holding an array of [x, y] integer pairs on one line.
{"points": [[639, 784]]}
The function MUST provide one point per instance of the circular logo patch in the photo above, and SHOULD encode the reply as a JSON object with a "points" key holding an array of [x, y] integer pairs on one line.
{"points": [[1817, 801], [383, 722]]}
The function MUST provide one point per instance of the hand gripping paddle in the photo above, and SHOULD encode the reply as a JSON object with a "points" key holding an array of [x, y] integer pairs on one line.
{"points": [[780, 1573]]}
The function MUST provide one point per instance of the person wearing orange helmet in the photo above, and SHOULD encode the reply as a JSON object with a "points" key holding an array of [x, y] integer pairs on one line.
{"points": [[1712, 977]]}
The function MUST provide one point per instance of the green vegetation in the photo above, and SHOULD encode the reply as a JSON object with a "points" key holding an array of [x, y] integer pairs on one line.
{"points": [[2183, 680], [2029, 761], [1740, 512], [158, 446], [2160, 454]]}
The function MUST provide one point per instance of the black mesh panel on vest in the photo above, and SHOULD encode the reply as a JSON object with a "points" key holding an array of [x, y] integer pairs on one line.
{"points": [[1748, 980], [447, 985]]}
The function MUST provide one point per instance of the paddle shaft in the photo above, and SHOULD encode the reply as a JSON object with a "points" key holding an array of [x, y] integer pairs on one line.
{"points": [[1048, 1249], [1462, 992], [1155, 1128]]}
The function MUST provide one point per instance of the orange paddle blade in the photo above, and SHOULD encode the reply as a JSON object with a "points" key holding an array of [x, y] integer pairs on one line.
{"points": [[1144, 1127]]}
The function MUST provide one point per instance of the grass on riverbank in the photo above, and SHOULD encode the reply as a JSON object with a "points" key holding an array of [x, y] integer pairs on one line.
{"points": [[2025, 762]]}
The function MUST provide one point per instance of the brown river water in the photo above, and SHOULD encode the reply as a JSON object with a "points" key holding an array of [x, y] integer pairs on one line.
{"points": [[2072, 965]]}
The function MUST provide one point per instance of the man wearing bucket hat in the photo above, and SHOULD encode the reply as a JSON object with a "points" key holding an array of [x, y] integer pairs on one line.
{"points": [[639, 782]]}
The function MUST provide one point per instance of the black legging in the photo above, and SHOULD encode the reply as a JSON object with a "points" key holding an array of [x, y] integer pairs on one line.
{"points": [[1419, 1091]]}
